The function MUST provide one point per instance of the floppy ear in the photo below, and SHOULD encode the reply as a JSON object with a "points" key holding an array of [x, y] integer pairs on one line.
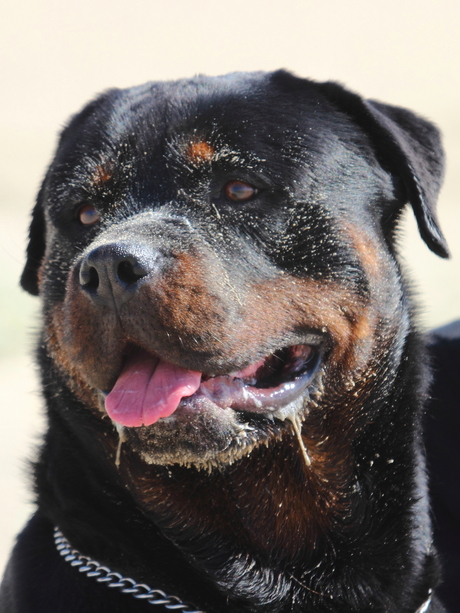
{"points": [[407, 146], [35, 248]]}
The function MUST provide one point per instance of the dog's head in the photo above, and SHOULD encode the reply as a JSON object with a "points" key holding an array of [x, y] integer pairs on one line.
{"points": [[216, 260]]}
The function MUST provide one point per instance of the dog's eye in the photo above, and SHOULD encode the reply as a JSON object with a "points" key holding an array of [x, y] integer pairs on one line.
{"points": [[88, 215], [239, 191]]}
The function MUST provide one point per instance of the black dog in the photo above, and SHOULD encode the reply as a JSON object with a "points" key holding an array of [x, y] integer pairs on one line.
{"points": [[233, 379]]}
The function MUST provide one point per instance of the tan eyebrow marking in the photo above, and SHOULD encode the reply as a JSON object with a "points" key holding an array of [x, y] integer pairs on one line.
{"points": [[199, 152], [101, 175]]}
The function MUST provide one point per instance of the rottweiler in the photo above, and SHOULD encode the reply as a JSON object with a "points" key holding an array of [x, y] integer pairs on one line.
{"points": [[233, 377]]}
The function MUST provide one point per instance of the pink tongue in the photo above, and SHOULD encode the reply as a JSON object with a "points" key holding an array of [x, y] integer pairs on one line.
{"points": [[148, 389]]}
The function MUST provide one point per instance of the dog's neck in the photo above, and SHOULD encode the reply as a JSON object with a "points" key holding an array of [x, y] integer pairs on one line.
{"points": [[256, 524], [266, 506]]}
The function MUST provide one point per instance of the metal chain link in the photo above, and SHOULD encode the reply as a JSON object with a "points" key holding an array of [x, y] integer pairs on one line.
{"points": [[103, 574], [424, 608]]}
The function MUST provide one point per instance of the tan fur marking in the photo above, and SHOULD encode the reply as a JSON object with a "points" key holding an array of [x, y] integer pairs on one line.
{"points": [[369, 252], [287, 302], [101, 175], [200, 152], [362, 327], [57, 335]]}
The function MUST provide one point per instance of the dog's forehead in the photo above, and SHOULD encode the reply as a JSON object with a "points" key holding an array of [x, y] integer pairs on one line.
{"points": [[205, 117]]}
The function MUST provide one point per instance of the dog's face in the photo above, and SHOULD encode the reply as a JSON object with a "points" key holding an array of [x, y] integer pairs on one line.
{"points": [[215, 259]]}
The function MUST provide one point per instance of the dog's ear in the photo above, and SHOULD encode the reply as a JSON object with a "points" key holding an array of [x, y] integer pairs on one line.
{"points": [[35, 248], [407, 146]]}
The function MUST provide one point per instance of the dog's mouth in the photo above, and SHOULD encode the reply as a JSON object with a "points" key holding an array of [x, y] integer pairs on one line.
{"points": [[150, 388]]}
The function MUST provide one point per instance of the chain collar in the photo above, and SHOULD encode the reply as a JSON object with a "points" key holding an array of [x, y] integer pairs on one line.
{"points": [[141, 591], [103, 574]]}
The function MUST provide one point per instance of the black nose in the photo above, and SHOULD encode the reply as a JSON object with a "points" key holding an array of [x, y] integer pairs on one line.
{"points": [[111, 274]]}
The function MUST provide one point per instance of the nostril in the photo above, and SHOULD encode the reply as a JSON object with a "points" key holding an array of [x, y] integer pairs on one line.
{"points": [[89, 278], [129, 271], [110, 274]]}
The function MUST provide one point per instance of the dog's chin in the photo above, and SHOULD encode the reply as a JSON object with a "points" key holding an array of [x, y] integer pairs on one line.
{"points": [[198, 434], [205, 436]]}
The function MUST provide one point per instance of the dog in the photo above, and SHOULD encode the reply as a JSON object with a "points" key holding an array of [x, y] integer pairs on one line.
{"points": [[233, 376]]}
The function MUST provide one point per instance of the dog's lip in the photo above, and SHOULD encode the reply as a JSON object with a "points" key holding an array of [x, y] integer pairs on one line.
{"points": [[257, 390], [266, 386]]}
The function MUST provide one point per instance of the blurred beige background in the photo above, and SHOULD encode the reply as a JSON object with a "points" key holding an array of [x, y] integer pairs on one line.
{"points": [[56, 54]]}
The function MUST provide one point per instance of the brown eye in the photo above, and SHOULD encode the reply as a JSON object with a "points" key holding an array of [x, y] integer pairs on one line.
{"points": [[88, 215], [238, 191]]}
